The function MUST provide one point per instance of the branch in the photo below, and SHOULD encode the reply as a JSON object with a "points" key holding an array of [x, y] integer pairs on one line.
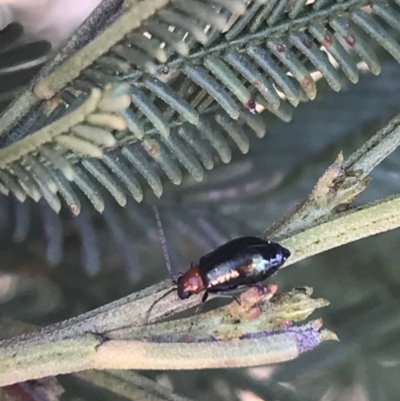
{"points": [[254, 333], [340, 185], [351, 226]]}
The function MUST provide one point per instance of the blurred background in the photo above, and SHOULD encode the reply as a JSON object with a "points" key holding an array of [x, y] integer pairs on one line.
{"points": [[52, 269]]}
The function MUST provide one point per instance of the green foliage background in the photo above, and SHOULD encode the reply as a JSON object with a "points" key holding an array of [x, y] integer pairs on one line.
{"points": [[361, 280]]}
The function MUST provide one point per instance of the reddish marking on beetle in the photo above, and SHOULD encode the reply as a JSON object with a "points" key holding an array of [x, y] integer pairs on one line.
{"points": [[327, 40], [153, 150], [251, 106], [350, 40], [307, 43], [192, 281], [280, 48]]}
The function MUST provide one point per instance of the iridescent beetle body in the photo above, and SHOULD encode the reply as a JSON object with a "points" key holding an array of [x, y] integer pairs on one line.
{"points": [[239, 263]]}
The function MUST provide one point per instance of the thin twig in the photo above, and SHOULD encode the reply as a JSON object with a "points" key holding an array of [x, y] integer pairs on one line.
{"points": [[350, 226], [340, 185]]}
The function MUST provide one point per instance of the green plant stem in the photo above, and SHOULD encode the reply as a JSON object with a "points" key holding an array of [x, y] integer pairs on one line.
{"points": [[347, 227], [139, 355], [87, 352], [376, 149], [17, 110], [341, 183]]}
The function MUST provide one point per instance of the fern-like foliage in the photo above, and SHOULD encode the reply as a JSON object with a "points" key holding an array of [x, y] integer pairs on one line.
{"points": [[197, 72], [36, 166]]}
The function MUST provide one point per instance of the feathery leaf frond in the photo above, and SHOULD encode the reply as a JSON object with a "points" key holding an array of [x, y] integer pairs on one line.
{"points": [[197, 72]]}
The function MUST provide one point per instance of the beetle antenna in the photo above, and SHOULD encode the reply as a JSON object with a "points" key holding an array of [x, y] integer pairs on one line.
{"points": [[163, 242]]}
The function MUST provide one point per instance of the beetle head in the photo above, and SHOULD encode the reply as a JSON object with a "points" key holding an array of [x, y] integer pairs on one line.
{"points": [[182, 293]]}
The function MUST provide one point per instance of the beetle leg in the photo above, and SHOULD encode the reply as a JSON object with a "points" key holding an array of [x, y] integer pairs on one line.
{"points": [[196, 315], [198, 310], [236, 299]]}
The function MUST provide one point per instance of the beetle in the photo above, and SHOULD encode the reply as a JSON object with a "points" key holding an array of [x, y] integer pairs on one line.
{"points": [[240, 263], [230, 268]]}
